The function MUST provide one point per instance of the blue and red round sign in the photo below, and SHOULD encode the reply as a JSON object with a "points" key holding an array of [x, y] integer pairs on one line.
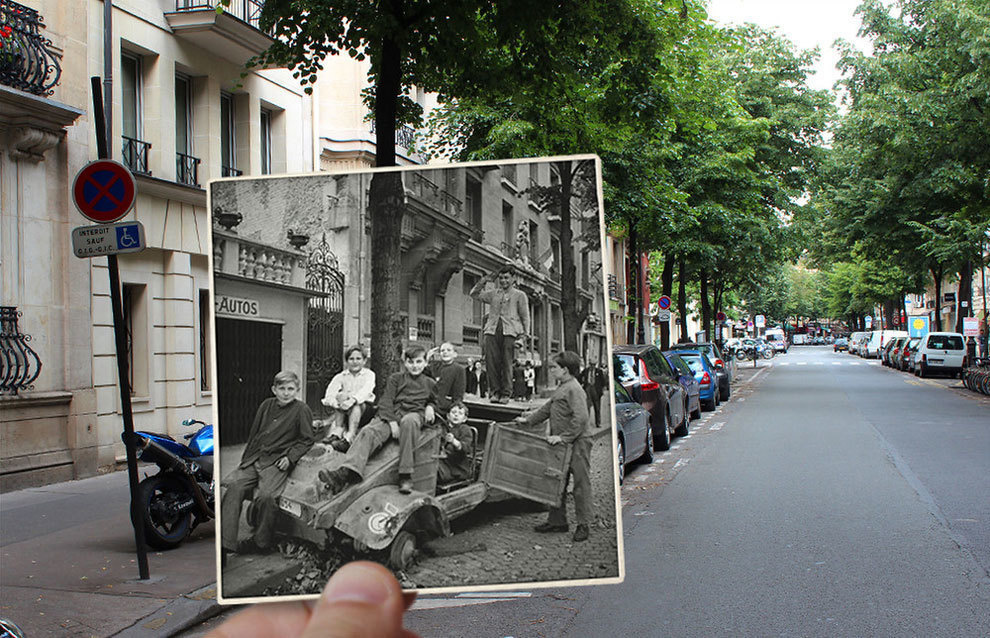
{"points": [[664, 302], [103, 191]]}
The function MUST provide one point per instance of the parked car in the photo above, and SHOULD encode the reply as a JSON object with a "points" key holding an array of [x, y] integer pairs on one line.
{"points": [[907, 359], [892, 349], [907, 352], [877, 340], [853, 342], [705, 373], [940, 353], [841, 345], [686, 377], [725, 366], [651, 381], [634, 431]]}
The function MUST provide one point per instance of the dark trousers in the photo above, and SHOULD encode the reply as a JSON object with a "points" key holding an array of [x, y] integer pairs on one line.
{"points": [[595, 403], [500, 352], [580, 471], [240, 485], [373, 436]]}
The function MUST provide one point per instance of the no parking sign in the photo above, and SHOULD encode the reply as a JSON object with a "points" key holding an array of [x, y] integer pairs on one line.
{"points": [[103, 191]]}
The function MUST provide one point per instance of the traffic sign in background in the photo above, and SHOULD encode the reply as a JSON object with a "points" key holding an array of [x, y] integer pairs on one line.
{"points": [[103, 191], [664, 302]]}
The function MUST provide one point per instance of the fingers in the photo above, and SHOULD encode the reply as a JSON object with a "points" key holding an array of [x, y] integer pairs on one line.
{"points": [[361, 600]]}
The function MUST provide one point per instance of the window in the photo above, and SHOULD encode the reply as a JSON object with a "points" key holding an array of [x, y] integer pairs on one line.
{"points": [[472, 202], [554, 266], [508, 229], [130, 96], [186, 166], [475, 312], [534, 242], [134, 152], [585, 270], [135, 310], [204, 340], [228, 153], [266, 142]]}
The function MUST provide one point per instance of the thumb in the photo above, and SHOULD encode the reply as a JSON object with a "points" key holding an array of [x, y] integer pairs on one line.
{"points": [[362, 599]]}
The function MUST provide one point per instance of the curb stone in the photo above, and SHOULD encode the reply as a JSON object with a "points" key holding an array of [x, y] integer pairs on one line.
{"points": [[180, 614]]}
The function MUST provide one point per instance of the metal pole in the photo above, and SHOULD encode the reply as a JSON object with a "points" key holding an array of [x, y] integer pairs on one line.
{"points": [[103, 135], [108, 75]]}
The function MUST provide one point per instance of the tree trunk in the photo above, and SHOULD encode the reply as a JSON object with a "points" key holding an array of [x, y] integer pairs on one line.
{"points": [[573, 316], [666, 288], [632, 290], [682, 297], [706, 310], [386, 208], [965, 294], [888, 314], [937, 277]]}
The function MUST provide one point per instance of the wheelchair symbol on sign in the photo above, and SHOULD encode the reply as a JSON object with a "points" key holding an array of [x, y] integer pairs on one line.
{"points": [[125, 239]]}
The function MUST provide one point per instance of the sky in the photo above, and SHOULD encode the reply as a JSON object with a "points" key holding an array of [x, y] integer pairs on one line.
{"points": [[806, 23]]}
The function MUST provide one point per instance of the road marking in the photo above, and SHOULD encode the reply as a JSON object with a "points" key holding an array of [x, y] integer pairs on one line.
{"points": [[680, 463], [783, 363], [819, 363], [854, 363], [716, 426], [837, 363], [802, 363]]}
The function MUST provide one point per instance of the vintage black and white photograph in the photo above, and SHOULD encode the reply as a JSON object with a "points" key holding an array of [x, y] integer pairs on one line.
{"points": [[412, 368]]}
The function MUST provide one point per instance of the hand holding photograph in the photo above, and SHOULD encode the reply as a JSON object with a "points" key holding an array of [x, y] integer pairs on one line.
{"points": [[414, 392]]}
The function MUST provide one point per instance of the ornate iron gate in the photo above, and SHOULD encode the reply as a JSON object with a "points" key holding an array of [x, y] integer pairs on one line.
{"points": [[325, 323]]}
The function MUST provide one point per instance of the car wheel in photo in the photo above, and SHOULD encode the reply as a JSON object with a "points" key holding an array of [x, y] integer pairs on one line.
{"points": [[650, 448]]}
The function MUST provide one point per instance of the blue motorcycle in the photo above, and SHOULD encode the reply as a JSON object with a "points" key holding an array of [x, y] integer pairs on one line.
{"points": [[180, 496]]}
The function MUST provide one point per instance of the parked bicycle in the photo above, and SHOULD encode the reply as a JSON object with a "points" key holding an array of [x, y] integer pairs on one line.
{"points": [[977, 376]]}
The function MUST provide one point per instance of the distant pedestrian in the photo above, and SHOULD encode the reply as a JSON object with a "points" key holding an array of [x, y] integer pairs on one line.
{"points": [[593, 382], [477, 380], [529, 376]]}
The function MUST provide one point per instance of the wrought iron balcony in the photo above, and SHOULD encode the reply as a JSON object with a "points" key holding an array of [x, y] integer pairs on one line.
{"points": [[233, 33], [27, 62], [244, 10], [135, 153], [404, 135], [187, 169], [229, 171], [19, 364]]}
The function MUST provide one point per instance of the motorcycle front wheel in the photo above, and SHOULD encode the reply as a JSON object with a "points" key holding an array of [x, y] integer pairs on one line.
{"points": [[165, 525]]}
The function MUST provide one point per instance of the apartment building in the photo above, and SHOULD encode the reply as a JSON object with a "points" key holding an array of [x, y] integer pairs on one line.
{"points": [[182, 115]]}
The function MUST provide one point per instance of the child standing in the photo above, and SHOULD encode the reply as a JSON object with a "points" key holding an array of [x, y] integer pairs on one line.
{"points": [[348, 394], [450, 376], [282, 432], [408, 402], [456, 464], [567, 410]]}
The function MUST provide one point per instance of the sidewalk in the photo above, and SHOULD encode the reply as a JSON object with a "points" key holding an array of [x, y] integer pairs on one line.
{"points": [[68, 566]]}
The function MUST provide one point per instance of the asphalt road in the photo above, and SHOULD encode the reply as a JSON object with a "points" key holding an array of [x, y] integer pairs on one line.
{"points": [[830, 497]]}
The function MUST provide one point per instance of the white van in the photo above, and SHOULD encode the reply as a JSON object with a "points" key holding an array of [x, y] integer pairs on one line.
{"points": [[879, 338], [941, 353], [854, 340]]}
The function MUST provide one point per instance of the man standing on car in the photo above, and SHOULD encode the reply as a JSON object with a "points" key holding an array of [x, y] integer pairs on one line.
{"points": [[507, 322]]}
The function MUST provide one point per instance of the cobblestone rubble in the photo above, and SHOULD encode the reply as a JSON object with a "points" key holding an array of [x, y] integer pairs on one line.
{"points": [[496, 543]]}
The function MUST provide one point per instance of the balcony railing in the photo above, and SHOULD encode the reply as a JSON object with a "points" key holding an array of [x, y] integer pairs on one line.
{"points": [[27, 61], [253, 260], [245, 10], [404, 135], [19, 364], [230, 171], [187, 169], [435, 197], [135, 154]]}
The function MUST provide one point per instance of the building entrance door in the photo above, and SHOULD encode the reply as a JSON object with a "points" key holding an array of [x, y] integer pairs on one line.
{"points": [[249, 355]]}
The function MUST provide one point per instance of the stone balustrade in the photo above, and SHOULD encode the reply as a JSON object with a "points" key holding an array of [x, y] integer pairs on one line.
{"points": [[250, 259]]}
